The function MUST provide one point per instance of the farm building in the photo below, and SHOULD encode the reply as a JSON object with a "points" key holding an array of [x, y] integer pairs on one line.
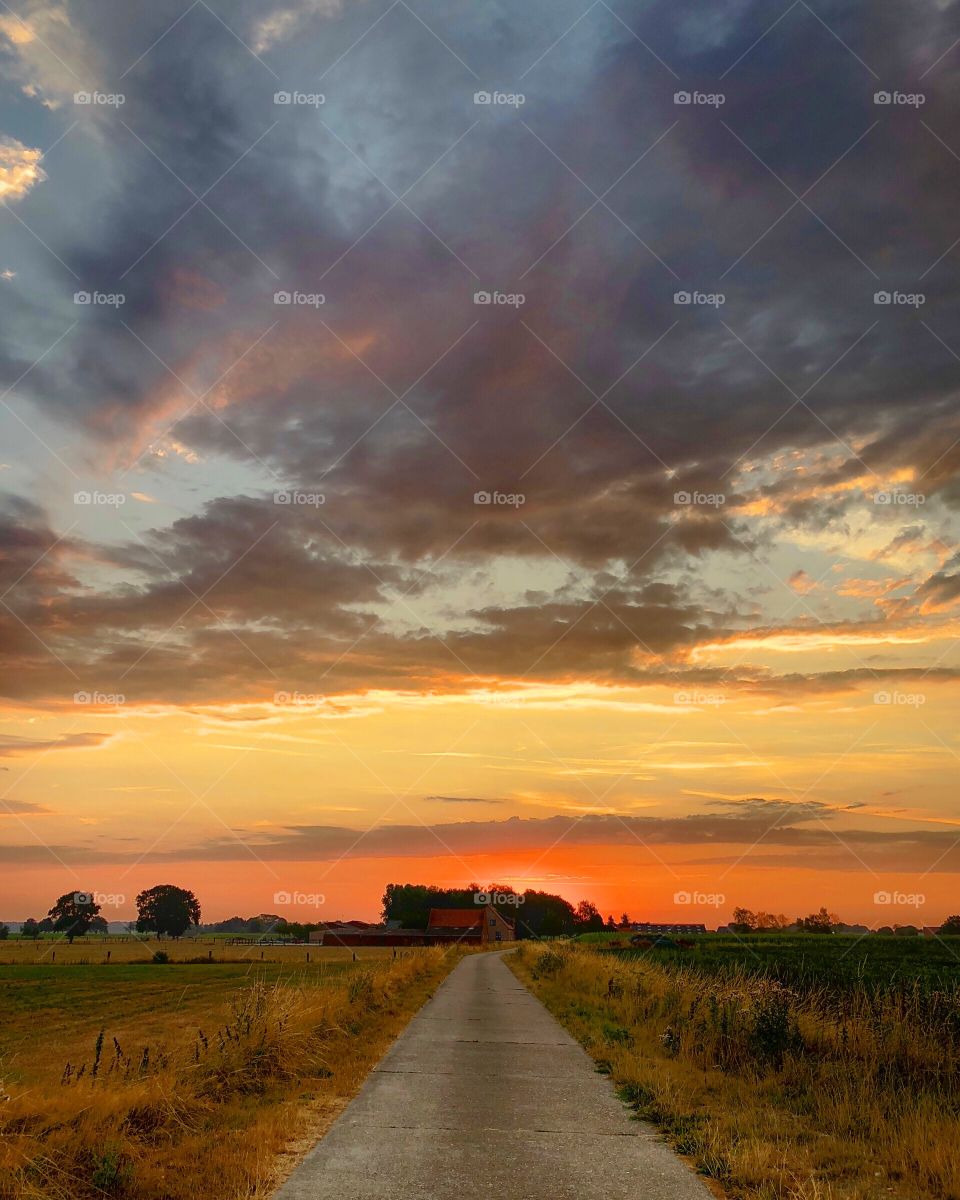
{"points": [[470, 926]]}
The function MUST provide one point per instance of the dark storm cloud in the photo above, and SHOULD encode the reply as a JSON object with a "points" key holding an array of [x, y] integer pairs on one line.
{"points": [[599, 398]]}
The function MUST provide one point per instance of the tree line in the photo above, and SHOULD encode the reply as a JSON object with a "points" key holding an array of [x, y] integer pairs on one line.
{"points": [[165, 910], [535, 914]]}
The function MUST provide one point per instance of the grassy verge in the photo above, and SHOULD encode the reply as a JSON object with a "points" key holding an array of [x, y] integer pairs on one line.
{"points": [[202, 1088], [775, 1093]]}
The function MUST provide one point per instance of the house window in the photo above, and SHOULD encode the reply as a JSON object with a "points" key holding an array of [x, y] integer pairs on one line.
{"points": [[493, 922]]}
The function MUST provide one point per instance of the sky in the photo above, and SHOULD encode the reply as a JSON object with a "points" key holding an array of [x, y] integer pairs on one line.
{"points": [[451, 442]]}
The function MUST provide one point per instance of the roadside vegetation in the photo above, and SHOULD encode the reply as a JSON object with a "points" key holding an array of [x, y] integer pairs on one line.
{"points": [[165, 1081], [776, 1091]]}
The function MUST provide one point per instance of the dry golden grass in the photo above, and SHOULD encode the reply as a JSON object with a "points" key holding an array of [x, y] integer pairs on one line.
{"points": [[774, 1094], [94, 951], [204, 1111]]}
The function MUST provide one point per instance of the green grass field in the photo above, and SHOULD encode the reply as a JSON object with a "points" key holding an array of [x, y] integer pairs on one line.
{"points": [[812, 960]]}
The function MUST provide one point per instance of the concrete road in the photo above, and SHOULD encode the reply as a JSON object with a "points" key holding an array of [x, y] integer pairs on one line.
{"points": [[485, 1095]]}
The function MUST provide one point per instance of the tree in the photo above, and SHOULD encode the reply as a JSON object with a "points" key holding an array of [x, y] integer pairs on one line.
{"points": [[744, 921], [950, 926], [30, 929], [624, 920], [611, 923], [46, 925], [99, 925], [4, 931], [73, 914], [767, 920], [905, 931], [588, 917], [167, 909], [818, 922]]}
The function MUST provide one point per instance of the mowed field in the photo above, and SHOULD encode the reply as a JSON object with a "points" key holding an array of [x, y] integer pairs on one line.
{"points": [[198, 1079]]}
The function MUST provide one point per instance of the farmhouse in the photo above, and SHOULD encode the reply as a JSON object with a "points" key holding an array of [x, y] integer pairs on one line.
{"points": [[468, 926], [471, 924]]}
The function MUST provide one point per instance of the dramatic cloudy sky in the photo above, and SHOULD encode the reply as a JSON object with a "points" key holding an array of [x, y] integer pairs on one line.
{"points": [[258, 635]]}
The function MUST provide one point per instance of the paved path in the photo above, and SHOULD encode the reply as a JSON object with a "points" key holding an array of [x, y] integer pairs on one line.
{"points": [[485, 1095]]}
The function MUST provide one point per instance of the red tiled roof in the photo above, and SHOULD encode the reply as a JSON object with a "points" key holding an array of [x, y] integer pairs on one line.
{"points": [[455, 918]]}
